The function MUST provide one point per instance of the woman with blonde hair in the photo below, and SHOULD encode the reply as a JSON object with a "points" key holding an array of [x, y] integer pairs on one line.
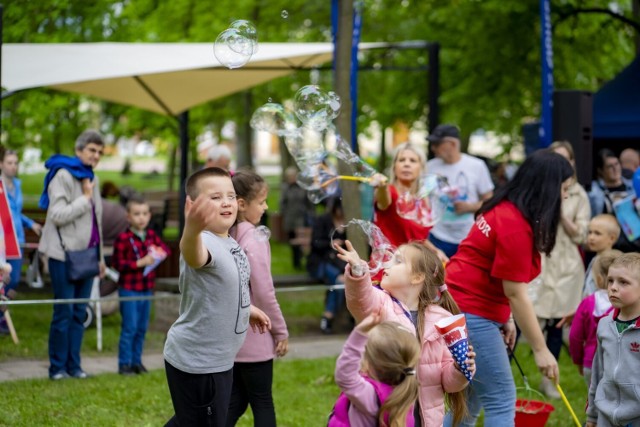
{"points": [[409, 163]]}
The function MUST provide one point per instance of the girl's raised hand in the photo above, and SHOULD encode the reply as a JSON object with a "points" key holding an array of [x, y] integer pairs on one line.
{"points": [[349, 254], [369, 322]]}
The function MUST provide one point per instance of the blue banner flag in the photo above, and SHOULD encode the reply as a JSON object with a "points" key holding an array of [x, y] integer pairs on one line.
{"points": [[546, 59]]}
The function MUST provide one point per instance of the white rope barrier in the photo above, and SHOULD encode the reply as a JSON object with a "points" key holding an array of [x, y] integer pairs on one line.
{"points": [[158, 296]]}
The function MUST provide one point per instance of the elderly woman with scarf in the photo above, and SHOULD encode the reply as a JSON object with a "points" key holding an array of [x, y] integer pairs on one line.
{"points": [[74, 216]]}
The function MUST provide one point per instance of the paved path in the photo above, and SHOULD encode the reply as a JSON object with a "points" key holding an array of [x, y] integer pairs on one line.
{"points": [[299, 348]]}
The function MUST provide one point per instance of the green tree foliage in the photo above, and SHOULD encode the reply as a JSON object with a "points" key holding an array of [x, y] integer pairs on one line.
{"points": [[490, 51]]}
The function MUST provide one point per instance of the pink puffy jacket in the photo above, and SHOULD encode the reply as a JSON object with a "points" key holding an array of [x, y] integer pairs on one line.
{"points": [[437, 373]]}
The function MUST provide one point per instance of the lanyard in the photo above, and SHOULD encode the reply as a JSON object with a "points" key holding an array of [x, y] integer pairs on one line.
{"points": [[135, 248], [395, 300]]}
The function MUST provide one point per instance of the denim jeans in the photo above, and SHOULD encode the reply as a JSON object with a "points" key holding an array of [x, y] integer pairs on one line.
{"points": [[492, 387], [67, 329], [135, 320], [449, 249], [335, 298], [16, 270]]}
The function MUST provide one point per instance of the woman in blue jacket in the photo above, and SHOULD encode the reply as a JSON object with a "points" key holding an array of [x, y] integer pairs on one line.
{"points": [[13, 189]]}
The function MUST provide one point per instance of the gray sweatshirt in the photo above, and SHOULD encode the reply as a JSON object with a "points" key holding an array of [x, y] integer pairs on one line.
{"points": [[614, 394]]}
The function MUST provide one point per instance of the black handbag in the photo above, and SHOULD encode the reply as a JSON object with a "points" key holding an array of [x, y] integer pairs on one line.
{"points": [[83, 264]]}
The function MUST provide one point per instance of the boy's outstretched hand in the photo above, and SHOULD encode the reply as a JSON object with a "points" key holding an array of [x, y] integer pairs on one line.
{"points": [[259, 320], [197, 212]]}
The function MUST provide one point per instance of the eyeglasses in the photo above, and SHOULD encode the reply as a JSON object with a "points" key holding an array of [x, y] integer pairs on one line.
{"points": [[612, 166], [94, 150]]}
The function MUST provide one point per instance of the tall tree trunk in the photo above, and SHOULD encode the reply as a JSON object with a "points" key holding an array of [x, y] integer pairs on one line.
{"points": [[245, 133], [350, 190]]}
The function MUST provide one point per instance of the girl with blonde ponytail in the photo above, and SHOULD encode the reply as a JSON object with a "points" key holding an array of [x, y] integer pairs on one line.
{"points": [[412, 292], [376, 372]]}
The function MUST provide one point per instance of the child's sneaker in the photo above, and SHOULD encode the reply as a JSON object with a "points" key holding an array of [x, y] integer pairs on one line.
{"points": [[139, 369], [325, 325], [126, 370]]}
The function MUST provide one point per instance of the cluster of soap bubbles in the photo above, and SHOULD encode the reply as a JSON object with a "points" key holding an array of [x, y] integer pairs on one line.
{"points": [[235, 45], [429, 204], [382, 250], [316, 108], [318, 173], [262, 233], [313, 109]]}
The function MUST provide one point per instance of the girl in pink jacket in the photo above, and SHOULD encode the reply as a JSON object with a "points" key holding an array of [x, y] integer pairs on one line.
{"points": [[412, 292], [582, 336], [376, 372], [253, 367]]}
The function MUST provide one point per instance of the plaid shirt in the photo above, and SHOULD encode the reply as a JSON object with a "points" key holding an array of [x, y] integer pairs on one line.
{"points": [[128, 248]]}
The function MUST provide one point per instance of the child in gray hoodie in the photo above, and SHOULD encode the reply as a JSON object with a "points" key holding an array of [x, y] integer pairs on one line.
{"points": [[615, 377]]}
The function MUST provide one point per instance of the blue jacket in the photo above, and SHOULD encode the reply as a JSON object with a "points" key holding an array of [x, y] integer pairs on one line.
{"points": [[15, 205]]}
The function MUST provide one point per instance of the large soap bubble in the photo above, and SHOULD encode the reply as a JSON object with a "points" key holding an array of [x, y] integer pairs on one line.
{"points": [[429, 204], [274, 118], [382, 250], [248, 31], [232, 49], [315, 108]]}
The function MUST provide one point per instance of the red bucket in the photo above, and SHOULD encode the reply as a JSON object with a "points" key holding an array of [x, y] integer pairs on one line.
{"points": [[532, 413]]}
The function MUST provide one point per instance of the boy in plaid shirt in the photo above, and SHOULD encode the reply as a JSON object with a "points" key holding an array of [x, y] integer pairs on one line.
{"points": [[133, 251]]}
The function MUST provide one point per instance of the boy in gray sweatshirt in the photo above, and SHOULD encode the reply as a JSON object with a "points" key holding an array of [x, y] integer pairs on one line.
{"points": [[614, 393]]}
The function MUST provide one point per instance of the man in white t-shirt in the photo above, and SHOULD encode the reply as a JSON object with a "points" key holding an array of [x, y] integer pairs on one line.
{"points": [[470, 184]]}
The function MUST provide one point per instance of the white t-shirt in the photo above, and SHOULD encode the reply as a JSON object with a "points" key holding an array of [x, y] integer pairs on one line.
{"points": [[471, 176]]}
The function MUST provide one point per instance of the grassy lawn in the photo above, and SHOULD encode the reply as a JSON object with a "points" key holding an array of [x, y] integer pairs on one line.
{"points": [[304, 393], [304, 390]]}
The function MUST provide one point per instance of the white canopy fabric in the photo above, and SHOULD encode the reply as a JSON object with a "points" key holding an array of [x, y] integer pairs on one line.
{"points": [[166, 78]]}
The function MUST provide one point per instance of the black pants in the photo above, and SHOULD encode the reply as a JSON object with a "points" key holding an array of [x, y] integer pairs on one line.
{"points": [[296, 251], [199, 399], [554, 336], [252, 386]]}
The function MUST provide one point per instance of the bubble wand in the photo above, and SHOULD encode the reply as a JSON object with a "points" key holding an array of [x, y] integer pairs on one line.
{"points": [[566, 402], [345, 178]]}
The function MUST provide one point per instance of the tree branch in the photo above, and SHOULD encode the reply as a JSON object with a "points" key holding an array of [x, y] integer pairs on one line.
{"points": [[574, 11]]}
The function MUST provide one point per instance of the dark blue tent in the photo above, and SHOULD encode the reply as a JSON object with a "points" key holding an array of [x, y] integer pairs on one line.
{"points": [[616, 107]]}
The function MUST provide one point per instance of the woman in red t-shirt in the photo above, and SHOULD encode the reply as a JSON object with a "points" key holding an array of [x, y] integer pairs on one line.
{"points": [[409, 163], [488, 279]]}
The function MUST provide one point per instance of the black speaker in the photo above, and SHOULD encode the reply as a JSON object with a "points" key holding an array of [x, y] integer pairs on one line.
{"points": [[573, 122]]}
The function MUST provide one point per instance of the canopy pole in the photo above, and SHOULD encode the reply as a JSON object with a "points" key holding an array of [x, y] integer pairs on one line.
{"points": [[183, 120]]}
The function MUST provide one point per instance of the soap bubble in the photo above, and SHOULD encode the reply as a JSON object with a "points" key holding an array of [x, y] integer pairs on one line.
{"points": [[334, 102], [428, 205], [382, 250], [312, 107], [356, 165], [232, 49], [274, 118], [247, 30], [262, 233]]}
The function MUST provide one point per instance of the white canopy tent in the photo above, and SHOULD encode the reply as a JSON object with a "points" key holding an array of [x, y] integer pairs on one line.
{"points": [[166, 78]]}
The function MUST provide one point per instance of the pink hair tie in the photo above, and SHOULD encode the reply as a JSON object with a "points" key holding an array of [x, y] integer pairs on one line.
{"points": [[442, 288]]}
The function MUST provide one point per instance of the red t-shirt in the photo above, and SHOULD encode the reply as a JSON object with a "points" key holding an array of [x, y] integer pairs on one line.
{"points": [[499, 247], [395, 228]]}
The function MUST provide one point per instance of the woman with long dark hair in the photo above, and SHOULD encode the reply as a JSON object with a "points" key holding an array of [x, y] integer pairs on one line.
{"points": [[488, 278]]}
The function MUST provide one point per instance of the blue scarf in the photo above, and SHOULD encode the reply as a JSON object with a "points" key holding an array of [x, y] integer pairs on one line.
{"points": [[59, 161]]}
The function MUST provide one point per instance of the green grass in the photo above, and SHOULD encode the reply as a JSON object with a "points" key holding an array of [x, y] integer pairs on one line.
{"points": [[304, 393], [302, 311]]}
